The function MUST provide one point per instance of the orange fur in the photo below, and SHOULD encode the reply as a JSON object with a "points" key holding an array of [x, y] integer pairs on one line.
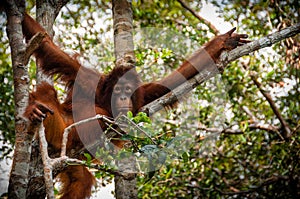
{"points": [[77, 181]]}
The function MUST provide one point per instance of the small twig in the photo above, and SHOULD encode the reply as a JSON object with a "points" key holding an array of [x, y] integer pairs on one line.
{"points": [[253, 126], [137, 127], [110, 127], [32, 45], [274, 107], [64, 161], [108, 121], [99, 167], [296, 129], [69, 128], [246, 109], [206, 22], [258, 125], [219, 130]]}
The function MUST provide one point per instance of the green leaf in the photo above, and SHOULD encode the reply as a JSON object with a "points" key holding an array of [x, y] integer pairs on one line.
{"points": [[185, 156], [88, 159]]}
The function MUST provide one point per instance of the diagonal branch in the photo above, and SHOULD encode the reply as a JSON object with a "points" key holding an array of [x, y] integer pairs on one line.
{"points": [[263, 42], [287, 131], [226, 57], [254, 126], [210, 25]]}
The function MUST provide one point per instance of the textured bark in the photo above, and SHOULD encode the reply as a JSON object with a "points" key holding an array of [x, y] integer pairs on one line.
{"points": [[19, 172], [46, 12], [125, 184], [123, 33]]}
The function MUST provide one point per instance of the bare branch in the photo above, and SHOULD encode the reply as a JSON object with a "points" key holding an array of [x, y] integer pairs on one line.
{"points": [[138, 128], [206, 22], [69, 128], [253, 126], [263, 42], [64, 161], [220, 130], [258, 125], [226, 57], [287, 131], [46, 163], [246, 109]]}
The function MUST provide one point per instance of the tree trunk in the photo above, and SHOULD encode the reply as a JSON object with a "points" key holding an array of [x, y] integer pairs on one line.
{"points": [[19, 173], [123, 36], [46, 13], [125, 185]]}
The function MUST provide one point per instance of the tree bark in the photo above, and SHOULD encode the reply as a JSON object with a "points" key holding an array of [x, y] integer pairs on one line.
{"points": [[225, 58], [46, 12], [125, 184], [19, 173], [123, 33]]}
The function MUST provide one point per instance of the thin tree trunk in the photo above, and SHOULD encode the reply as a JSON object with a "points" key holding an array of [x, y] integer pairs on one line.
{"points": [[46, 13], [19, 173], [125, 184], [123, 28]]}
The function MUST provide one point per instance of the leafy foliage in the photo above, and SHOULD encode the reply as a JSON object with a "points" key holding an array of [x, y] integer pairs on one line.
{"points": [[236, 145]]}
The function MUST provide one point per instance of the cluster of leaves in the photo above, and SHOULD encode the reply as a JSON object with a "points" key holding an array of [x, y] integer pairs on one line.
{"points": [[248, 165], [143, 140]]}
